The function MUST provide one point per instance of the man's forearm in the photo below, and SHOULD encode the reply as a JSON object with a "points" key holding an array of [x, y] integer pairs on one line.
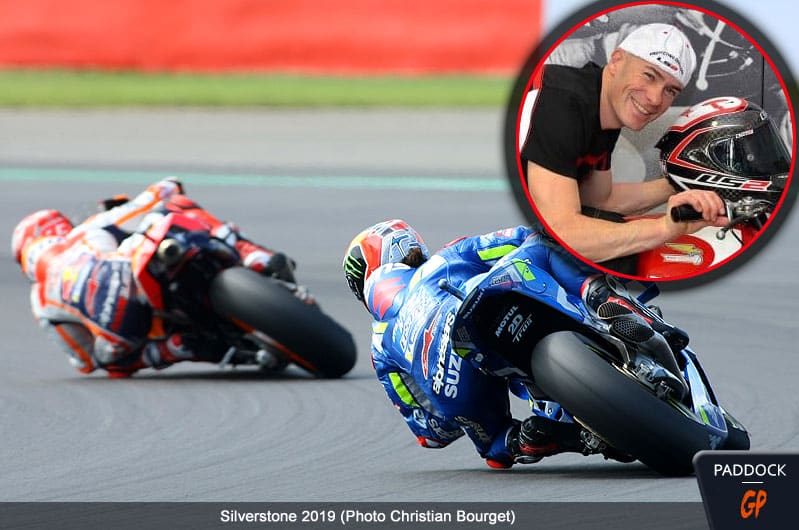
{"points": [[635, 198], [599, 240]]}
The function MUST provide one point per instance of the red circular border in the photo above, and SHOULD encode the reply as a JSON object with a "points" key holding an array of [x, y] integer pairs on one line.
{"points": [[540, 65]]}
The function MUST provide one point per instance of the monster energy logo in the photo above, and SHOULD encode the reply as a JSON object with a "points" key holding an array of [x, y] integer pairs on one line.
{"points": [[354, 267]]}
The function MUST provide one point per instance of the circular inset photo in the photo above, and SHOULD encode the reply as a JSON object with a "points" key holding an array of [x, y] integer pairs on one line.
{"points": [[654, 141]]}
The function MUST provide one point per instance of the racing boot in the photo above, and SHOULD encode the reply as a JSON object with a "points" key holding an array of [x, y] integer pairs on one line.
{"points": [[544, 437], [117, 200], [538, 437], [609, 302], [273, 264], [255, 257], [512, 446], [182, 347], [641, 327], [125, 368]]}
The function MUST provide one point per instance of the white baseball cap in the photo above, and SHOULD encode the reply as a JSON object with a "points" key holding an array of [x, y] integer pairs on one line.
{"points": [[664, 46]]}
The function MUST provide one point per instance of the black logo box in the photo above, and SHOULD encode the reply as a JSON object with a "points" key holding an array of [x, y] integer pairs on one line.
{"points": [[752, 490]]}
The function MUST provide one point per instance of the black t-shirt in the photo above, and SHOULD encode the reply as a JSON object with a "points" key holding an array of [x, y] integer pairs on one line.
{"points": [[565, 135]]}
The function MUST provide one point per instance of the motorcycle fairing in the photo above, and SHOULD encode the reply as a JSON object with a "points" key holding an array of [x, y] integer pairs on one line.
{"points": [[145, 245], [520, 304], [517, 304], [703, 401]]}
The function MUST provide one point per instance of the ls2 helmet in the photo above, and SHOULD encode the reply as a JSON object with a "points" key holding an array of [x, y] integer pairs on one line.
{"points": [[728, 145], [386, 242], [36, 234]]}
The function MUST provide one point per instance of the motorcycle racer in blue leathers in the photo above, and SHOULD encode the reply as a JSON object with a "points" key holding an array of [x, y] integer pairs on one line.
{"points": [[440, 394]]}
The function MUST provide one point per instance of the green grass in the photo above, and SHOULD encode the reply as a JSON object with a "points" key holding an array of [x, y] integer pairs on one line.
{"points": [[63, 88]]}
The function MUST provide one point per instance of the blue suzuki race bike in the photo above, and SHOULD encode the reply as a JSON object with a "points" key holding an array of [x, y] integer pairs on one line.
{"points": [[636, 395]]}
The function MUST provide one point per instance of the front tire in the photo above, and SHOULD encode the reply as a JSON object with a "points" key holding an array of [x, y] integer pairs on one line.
{"points": [[617, 408], [312, 339]]}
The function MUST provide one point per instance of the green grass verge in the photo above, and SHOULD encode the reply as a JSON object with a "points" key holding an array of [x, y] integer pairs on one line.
{"points": [[62, 88]]}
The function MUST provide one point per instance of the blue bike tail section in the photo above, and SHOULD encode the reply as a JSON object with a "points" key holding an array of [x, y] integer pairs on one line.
{"points": [[508, 312]]}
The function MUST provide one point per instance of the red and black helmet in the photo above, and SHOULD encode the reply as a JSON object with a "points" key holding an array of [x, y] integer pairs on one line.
{"points": [[728, 145]]}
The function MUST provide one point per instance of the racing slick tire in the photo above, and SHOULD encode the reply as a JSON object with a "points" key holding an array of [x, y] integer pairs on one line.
{"points": [[306, 335], [616, 407]]}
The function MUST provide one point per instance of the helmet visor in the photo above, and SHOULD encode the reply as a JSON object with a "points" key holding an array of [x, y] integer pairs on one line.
{"points": [[752, 153]]}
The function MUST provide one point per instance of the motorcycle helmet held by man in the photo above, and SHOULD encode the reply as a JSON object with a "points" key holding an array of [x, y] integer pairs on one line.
{"points": [[728, 145]]}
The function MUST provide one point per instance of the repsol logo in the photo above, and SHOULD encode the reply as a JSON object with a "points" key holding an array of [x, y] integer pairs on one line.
{"points": [[449, 380]]}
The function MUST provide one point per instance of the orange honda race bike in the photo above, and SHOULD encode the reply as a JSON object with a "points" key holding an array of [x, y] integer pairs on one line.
{"points": [[195, 283]]}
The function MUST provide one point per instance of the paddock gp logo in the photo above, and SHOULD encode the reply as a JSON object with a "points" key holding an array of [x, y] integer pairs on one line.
{"points": [[752, 500], [748, 490]]}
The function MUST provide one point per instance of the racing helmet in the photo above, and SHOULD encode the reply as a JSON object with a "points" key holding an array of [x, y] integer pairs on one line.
{"points": [[36, 234], [728, 145], [386, 242]]}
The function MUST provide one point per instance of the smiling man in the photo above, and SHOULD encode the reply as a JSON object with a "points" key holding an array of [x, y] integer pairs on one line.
{"points": [[577, 115]]}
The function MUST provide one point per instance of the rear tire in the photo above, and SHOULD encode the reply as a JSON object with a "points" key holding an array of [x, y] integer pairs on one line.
{"points": [[315, 341], [619, 409]]}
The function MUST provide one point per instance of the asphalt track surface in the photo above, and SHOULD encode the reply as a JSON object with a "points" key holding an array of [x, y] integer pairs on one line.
{"points": [[198, 433]]}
